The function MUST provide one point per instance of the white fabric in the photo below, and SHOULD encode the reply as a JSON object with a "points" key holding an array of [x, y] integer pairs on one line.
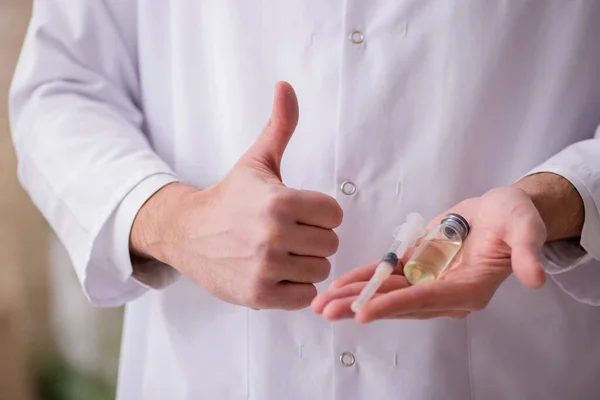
{"points": [[442, 101]]}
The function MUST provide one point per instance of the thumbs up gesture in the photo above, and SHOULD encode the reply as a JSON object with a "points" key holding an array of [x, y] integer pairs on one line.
{"points": [[249, 239]]}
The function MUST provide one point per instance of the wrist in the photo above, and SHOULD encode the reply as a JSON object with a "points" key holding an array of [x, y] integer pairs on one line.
{"points": [[558, 202], [155, 220]]}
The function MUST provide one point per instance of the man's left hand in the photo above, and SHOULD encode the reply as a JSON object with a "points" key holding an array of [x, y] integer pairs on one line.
{"points": [[507, 235]]}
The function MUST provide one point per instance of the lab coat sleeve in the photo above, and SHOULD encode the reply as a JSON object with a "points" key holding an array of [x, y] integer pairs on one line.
{"points": [[78, 133], [575, 265]]}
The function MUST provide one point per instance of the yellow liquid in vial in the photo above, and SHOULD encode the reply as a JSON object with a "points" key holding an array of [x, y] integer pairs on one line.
{"points": [[430, 260]]}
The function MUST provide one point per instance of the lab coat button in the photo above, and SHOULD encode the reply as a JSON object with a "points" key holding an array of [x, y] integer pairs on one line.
{"points": [[357, 37], [347, 359], [348, 188]]}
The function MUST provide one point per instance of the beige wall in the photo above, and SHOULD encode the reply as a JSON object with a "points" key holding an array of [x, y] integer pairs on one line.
{"points": [[42, 307], [24, 317]]}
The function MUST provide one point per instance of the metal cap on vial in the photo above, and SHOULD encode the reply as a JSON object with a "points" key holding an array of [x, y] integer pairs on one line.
{"points": [[458, 223]]}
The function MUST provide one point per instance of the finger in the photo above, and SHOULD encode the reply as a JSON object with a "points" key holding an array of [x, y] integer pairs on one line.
{"points": [[428, 296], [359, 274], [268, 149], [307, 240], [526, 237], [305, 269], [323, 299], [339, 309], [292, 296], [352, 290], [314, 208], [433, 314]]}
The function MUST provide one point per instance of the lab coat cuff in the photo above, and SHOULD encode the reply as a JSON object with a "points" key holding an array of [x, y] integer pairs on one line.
{"points": [[150, 274], [564, 255], [574, 265]]}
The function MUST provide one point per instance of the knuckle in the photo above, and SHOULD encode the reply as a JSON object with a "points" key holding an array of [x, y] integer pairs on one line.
{"points": [[258, 295], [309, 297], [267, 265], [322, 270], [268, 240], [334, 243], [340, 216], [265, 269], [302, 300], [327, 243], [337, 213], [314, 271], [276, 203], [329, 207]]}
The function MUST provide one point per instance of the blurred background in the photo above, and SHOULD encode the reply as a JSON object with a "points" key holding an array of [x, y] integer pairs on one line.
{"points": [[53, 343]]}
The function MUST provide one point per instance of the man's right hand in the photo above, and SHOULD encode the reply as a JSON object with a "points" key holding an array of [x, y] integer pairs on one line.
{"points": [[249, 239]]}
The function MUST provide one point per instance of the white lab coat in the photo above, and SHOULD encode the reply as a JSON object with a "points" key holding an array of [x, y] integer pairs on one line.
{"points": [[430, 102]]}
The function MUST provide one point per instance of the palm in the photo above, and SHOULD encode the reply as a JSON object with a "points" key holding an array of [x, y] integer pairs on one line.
{"points": [[506, 236], [484, 259]]}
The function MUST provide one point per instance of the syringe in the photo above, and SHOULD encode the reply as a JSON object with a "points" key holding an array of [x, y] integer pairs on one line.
{"points": [[405, 236]]}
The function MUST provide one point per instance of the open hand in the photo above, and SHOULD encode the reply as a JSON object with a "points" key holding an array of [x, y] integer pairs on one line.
{"points": [[507, 235]]}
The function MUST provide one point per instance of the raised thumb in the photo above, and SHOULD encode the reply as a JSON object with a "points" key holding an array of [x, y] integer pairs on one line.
{"points": [[268, 149]]}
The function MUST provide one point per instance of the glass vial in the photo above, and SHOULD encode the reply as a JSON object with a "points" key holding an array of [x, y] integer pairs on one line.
{"points": [[437, 249]]}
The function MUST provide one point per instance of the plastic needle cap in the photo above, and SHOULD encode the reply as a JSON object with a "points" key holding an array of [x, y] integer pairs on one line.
{"points": [[405, 235]]}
